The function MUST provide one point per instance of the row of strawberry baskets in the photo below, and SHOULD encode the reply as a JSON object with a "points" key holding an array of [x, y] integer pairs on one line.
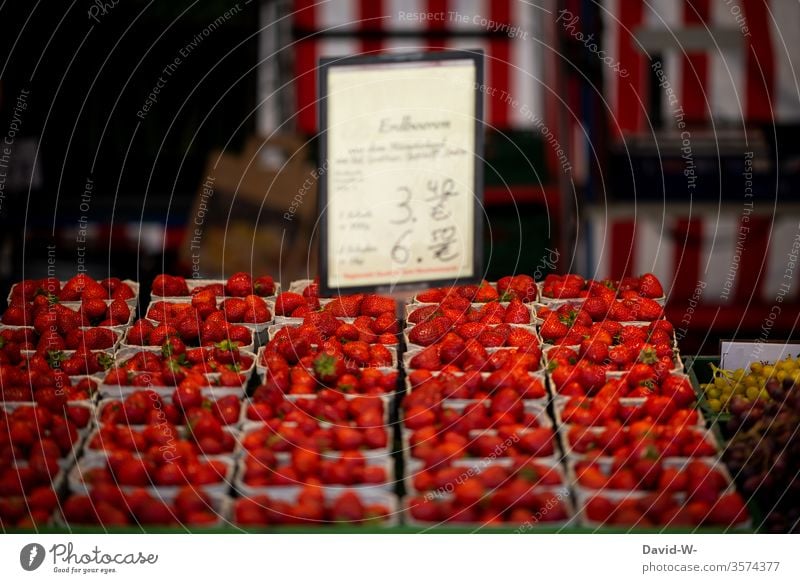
{"points": [[485, 440]]}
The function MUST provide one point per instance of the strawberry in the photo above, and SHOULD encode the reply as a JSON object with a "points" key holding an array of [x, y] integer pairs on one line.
{"points": [[385, 323], [430, 296], [485, 293], [491, 339], [119, 312], [451, 348], [240, 335], [516, 313], [188, 328], [379, 355], [93, 308], [358, 352], [522, 338], [521, 287], [428, 333], [72, 290], [621, 356], [256, 310], [375, 305], [470, 330], [596, 307], [287, 302], [650, 287], [239, 285], [205, 302], [18, 315], [347, 333], [160, 333], [264, 286], [424, 313], [648, 310], [345, 306], [621, 312], [323, 321], [169, 285], [234, 309], [328, 368], [553, 328], [427, 359]]}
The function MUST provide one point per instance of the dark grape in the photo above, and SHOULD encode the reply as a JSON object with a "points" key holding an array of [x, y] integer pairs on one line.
{"points": [[763, 454]]}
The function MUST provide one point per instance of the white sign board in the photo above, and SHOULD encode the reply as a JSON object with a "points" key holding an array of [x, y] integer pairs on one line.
{"points": [[401, 199], [737, 354]]}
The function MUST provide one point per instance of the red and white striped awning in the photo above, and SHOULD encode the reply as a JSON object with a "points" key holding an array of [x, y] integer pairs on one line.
{"points": [[514, 62], [722, 255], [752, 82]]}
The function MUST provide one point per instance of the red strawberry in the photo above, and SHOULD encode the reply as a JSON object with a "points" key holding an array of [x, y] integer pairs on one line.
{"points": [[239, 285], [386, 323], [427, 359], [264, 285], [170, 285], [553, 328], [119, 312], [358, 352], [596, 307], [256, 311], [491, 339], [470, 330], [516, 313], [94, 308], [620, 312], [424, 313], [522, 338], [379, 355], [430, 296], [650, 287], [648, 310], [485, 293], [374, 305], [18, 315], [329, 367], [347, 333], [345, 306], [521, 287], [288, 302], [428, 333], [72, 290]]}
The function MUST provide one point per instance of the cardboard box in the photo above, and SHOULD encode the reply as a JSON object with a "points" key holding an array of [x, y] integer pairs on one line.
{"points": [[254, 212]]}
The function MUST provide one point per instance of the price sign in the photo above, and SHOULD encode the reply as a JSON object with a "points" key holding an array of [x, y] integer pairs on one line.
{"points": [[401, 191]]}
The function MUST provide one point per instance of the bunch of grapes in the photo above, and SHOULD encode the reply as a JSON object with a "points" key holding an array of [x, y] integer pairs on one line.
{"points": [[764, 453], [748, 384]]}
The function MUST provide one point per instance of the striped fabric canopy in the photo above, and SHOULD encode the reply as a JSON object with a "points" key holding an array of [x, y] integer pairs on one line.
{"points": [[507, 31], [746, 74]]}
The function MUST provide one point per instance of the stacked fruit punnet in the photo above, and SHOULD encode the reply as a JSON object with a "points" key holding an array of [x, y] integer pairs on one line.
{"points": [[223, 365], [37, 443], [316, 442], [238, 285], [478, 444], [54, 335], [637, 450], [574, 287]]}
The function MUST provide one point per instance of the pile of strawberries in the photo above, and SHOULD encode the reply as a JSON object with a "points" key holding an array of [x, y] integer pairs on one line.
{"points": [[624, 408], [205, 314], [627, 413], [311, 506], [554, 403]]}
